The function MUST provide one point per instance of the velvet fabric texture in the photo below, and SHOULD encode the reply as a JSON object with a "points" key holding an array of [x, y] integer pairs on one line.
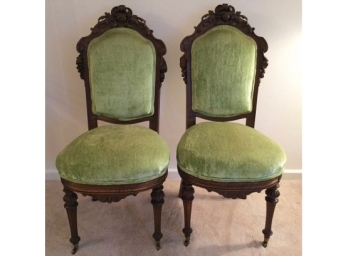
{"points": [[122, 68], [229, 152], [114, 154], [223, 72]]}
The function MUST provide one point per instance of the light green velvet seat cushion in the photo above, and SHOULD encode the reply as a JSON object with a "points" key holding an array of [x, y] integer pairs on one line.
{"points": [[122, 68], [229, 152], [223, 68], [114, 154]]}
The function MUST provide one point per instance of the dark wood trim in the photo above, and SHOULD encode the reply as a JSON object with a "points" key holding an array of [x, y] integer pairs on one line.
{"points": [[116, 121], [109, 194], [157, 201], [271, 199], [186, 194], [224, 15], [70, 199], [234, 190], [121, 16], [112, 193], [236, 117]]}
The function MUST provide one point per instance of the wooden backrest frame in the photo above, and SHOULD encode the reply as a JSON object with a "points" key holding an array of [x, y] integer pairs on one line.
{"points": [[121, 16], [224, 15]]}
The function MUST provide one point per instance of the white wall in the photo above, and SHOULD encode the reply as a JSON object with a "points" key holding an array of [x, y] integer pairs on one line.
{"points": [[279, 113]]}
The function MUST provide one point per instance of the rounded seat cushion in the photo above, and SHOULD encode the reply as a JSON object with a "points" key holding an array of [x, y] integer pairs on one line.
{"points": [[229, 152], [114, 154]]}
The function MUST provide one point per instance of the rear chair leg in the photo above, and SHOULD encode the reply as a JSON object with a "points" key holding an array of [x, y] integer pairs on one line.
{"points": [[186, 193], [157, 201], [180, 189], [71, 208], [271, 199]]}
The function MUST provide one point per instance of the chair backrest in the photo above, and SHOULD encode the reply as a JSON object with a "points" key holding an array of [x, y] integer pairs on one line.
{"points": [[123, 67], [222, 65]]}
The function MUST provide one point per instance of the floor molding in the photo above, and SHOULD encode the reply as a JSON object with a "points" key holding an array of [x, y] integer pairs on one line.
{"points": [[52, 174]]}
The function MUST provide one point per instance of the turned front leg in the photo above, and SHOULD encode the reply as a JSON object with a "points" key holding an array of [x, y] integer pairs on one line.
{"points": [[71, 208], [157, 201], [186, 193], [271, 199]]}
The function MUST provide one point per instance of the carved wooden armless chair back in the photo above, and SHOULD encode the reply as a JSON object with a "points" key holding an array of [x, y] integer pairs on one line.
{"points": [[122, 65], [222, 65]]}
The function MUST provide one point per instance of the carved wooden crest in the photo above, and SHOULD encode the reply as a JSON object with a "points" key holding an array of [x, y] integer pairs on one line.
{"points": [[121, 16]]}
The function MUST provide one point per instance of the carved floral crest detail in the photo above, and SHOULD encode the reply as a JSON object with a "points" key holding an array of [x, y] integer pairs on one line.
{"points": [[121, 16], [225, 14]]}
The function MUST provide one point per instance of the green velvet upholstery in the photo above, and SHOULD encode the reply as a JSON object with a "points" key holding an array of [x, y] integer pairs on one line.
{"points": [[122, 68], [114, 154], [229, 152], [223, 72]]}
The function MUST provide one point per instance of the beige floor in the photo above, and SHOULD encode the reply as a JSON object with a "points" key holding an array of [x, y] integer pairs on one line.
{"points": [[220, 226]]}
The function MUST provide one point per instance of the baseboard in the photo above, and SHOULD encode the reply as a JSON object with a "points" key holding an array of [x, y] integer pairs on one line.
{"points": [[52, 174], [292, 174]]}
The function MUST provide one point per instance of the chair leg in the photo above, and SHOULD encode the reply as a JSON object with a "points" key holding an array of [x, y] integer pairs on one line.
{"points": [[271, 199], [186, 193], [71, 208], [180, 189], [157, 201]]}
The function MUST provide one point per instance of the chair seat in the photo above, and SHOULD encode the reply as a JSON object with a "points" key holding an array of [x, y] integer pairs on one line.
{"points": [[114, 154], [229, 152]]}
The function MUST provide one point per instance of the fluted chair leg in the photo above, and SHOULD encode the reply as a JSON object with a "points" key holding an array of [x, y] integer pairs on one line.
{"points": [[271, 199], [186, 193], [180, 188], [71, 208], [157, 201]]}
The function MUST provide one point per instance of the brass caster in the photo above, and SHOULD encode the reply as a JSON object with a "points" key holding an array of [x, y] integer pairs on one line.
{"points": [[74, 250], [187, 241], [158, 245], [265, 242]]}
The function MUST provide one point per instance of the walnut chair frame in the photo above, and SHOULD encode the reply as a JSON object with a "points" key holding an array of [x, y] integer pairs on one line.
{"points": [[224, 15], [120, 16]]}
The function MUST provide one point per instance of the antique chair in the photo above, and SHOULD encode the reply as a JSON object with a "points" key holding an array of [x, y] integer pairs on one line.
{"points": [[122, 66], [222, 65]]}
